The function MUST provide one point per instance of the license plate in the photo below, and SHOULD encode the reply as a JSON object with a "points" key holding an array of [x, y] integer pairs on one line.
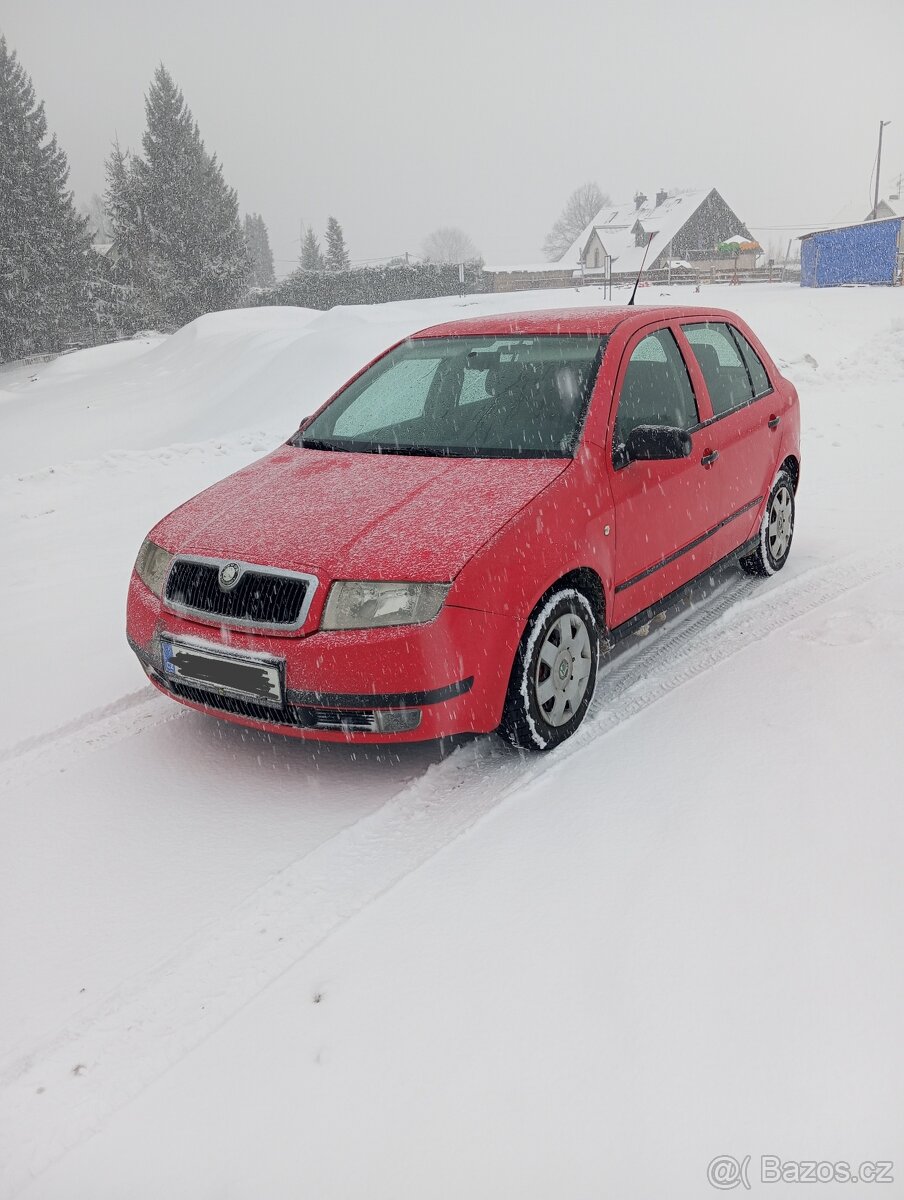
{"points": [[243, 676]]}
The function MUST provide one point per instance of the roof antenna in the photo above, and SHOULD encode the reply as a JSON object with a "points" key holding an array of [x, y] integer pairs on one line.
{"points": [[642, 264]]}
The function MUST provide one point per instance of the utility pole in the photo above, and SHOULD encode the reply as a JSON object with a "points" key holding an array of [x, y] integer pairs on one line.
{"points": [[882, 125]]}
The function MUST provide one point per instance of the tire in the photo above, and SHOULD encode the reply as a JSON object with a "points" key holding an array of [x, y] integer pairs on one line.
{"points": [[554, 673], [776, 530]]}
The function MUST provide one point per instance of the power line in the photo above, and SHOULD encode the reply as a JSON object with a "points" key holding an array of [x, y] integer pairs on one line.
{"points": [[800, 225]]}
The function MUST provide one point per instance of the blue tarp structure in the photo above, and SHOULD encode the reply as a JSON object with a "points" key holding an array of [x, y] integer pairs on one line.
{"points": [[865, 253]]}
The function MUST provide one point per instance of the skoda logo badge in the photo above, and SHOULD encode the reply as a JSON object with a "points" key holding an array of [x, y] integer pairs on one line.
{"points": [[229, 575]]}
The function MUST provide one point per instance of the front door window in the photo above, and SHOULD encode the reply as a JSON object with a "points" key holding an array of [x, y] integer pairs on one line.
{"points": [[656, 389]]}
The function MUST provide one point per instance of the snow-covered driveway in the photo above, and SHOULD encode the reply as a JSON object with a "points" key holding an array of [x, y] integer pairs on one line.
{"points": [[251, 967]]}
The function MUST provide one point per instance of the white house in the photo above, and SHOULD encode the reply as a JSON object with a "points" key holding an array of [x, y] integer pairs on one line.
{"points": [[685, 226]]}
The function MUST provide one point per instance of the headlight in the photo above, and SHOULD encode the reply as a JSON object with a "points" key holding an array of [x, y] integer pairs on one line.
{"points": [[152, 566], [369, 605]]}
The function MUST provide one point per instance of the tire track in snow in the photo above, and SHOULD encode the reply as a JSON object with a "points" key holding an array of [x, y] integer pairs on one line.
{"points": [[63, 1090], [735, 620], [97, 716], [132, 713]]}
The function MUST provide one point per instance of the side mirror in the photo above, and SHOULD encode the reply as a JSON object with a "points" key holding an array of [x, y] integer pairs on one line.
{"points": [[657, 442]]}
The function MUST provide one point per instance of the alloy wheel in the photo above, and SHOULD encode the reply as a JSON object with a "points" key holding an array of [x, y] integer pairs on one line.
{"points": [[781, 523]]}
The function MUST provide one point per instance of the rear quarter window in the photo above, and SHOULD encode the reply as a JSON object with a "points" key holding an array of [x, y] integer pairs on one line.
{"points": [[758, 374]]}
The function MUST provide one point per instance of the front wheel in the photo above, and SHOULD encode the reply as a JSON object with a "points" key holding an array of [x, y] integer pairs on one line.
{"points": [[554, 673], [776, 530]]}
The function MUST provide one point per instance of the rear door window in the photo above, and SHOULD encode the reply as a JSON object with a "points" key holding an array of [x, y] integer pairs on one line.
{"points": [[656, 389], [724, 370]]}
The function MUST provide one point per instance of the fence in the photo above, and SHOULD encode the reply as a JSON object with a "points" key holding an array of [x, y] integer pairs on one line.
{"points": [[776, 273]]}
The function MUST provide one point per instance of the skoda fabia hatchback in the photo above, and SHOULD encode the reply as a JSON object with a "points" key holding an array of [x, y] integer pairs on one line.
{"points": [[447, 544]]}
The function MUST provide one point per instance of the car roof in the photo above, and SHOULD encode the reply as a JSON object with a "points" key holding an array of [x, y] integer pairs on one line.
{"points": [[569, 320]]}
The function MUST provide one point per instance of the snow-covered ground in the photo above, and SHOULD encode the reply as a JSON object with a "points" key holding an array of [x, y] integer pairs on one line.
{"points": [[236, 966]]}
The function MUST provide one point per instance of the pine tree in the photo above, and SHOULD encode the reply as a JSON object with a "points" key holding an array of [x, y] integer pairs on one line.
{"points": [[258, 242], [311, 256], [336, 253], [126, 310], [44, 287], [175, 219]]}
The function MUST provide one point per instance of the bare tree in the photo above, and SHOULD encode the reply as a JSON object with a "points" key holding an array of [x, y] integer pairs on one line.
{"points": [[582, 206], [449, 245]]}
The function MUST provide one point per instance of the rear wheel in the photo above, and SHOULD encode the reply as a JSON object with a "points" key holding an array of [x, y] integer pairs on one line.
{"points": [[776, 530], [554, 673]]}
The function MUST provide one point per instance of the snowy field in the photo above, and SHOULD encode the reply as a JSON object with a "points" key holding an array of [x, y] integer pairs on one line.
{"points": [[239, 966]]}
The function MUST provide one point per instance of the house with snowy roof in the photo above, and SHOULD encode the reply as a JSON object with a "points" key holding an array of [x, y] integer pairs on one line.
{"points": [[693, 230], [686, 227]]}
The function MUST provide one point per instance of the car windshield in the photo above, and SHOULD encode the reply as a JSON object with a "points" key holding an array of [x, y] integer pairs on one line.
{"points": [[478, 397]]}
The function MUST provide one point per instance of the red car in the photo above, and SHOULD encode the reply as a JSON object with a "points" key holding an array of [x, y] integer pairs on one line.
{"points": [[447, 544]]}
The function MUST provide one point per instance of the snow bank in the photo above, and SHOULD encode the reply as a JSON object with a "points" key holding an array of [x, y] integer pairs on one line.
{"points": [[196, 384]]}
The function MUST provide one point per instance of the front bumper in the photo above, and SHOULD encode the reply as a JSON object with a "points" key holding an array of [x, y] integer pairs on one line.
{"points": [[353, 685]]}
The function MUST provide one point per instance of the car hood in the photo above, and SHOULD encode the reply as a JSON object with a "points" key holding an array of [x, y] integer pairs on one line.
{"points": [[357, 516]]}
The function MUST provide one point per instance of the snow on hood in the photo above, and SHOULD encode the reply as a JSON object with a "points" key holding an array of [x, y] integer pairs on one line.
{"points": [[357, 516]]}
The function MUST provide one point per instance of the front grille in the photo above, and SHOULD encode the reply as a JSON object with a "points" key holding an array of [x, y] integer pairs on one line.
{"points": [[259, 597], [242, 708], [294, 716]]}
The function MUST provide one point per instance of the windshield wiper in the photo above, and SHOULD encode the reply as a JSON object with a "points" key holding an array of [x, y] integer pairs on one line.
{"points": [[317, 444], [402, 448]]}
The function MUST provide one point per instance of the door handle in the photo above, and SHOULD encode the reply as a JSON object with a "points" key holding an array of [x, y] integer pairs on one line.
{"points": [[774, 422], [709, 458]]}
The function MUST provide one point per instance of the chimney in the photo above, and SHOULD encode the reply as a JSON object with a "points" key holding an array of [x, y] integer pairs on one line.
{"points": [[661, 197], [639, 199]]}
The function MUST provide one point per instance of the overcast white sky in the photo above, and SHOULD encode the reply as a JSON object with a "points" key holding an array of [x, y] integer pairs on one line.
{"points": [[400, 116]]}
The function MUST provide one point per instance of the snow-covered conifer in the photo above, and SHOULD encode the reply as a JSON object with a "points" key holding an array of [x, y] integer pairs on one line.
{"points": [[175, 219], [44, 290], [311, 256], [258, 242], [336, 253]]}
